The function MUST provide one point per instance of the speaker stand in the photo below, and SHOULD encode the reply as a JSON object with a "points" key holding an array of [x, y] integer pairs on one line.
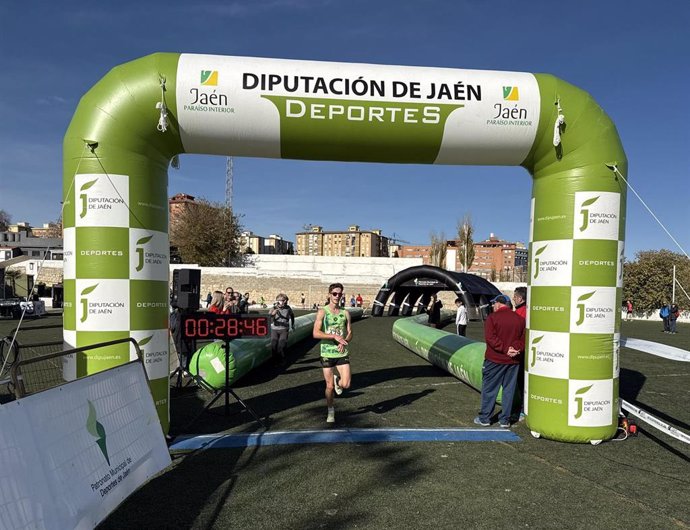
{"points": [[226, 392]]}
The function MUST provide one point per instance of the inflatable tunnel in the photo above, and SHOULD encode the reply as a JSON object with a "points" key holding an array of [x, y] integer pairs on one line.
{"points": [[413, 287], [128, 127]]}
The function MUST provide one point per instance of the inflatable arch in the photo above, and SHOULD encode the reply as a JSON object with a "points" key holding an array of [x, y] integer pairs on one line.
{"points": [[130, 125], [415, 285]]}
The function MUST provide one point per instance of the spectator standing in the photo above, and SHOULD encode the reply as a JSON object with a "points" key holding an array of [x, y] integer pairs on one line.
{"points": [[520, 301], [461, 317], [209, 298], [664, 313], [282, 321], [435, 306], [504, 334], [342, 300], [333, 327], [353, 302], [244, 304], [359, 300], [673, 315], [304, 301], [217, 302], [230, 306], [628, 309]]}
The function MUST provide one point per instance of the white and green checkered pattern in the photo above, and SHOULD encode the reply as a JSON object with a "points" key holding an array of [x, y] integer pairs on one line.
{"points": [[574, 297], [116, 276]]}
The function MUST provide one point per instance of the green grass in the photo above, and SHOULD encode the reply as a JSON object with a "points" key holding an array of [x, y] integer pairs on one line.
{"points": [[638, 483]]}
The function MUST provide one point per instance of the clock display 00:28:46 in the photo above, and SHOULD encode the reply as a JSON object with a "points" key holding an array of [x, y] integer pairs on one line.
{"points": [[214, 326]]}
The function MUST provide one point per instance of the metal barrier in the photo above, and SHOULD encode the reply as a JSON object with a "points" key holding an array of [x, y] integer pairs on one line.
{"points": [[41, 372], [12, 349]]}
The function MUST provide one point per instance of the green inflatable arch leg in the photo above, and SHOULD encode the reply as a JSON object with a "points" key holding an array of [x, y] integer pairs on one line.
{"points": [[141, 114]]}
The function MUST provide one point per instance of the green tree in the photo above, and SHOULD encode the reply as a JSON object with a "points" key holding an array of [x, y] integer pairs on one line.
{"points": [[208, 234], [648, 280], [437, 253], [465, 242]]}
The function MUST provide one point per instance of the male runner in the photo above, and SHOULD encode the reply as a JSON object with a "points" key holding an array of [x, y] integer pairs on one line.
{"points": [[333, 327]]}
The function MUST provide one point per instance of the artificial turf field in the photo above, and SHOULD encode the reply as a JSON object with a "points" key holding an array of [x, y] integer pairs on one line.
{"points": [[643, 482]]}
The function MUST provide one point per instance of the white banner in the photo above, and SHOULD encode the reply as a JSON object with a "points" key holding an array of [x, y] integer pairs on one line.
{"points": [[656, 348], [230, 105], [70, 455]]}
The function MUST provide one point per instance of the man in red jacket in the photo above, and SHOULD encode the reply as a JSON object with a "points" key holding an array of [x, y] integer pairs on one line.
{"points": [[504, 334]]}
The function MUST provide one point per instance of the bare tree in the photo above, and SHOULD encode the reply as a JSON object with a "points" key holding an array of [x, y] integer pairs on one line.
{"points": [[465, 242], [13, 275], [5, 220], [437, 254], [55, 228]]}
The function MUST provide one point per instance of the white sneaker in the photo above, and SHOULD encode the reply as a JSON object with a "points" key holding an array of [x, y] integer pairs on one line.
{"points": [[331, 416], [337, 387]]}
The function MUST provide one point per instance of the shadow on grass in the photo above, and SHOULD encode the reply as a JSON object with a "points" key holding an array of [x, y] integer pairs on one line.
{"points": [[661, 415], [644, 430], [200, 490], [385, 406], [185, 410], [631, 383]]}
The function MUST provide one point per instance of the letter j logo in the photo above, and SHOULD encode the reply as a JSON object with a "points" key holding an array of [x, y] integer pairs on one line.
{"points": [[585, 212], [581, 307], [578, 400], [85, 302], [536, 260], [533, 351], [84, 198], [140, 252]]}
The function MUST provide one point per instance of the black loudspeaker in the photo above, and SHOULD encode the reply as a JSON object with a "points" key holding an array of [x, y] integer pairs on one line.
{"points": [[186, 288]]}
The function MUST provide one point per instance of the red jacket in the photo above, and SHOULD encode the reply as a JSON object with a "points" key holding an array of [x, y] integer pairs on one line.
{"points": [[504, 329], [521, 310]]}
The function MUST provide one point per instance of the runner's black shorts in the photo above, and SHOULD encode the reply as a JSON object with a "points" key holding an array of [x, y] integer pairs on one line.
{"points": [[330, 362]]}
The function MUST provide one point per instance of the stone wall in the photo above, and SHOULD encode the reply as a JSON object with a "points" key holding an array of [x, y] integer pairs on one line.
{"points": [[268, 275]]}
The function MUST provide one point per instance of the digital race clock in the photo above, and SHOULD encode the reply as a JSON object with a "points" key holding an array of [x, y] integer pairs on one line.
{"points": [[212, 326]]}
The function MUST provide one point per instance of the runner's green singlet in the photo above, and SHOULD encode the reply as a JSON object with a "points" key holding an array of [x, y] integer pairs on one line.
{"points": [[333, 325]]}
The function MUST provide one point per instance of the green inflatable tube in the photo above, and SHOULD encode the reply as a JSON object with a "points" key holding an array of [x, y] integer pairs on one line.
{"points": [[142, 114], [246, 354], [459, 356]]}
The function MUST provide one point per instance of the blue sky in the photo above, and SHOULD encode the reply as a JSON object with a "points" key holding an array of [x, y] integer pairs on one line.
{"points": [[631, 56]]}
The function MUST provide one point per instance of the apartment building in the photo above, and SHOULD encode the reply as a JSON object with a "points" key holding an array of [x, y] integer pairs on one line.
{"points": [[352, 242], [494, 258], [273, 244]]}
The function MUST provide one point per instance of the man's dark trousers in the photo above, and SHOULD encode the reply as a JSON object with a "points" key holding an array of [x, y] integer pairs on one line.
{"points": [[495, 376]]}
